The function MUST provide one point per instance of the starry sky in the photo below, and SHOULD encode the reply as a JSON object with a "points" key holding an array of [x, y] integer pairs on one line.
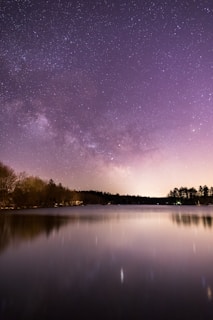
{"points": [[109, 95]]}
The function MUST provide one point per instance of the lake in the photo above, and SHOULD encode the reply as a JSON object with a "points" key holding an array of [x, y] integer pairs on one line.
{"points": [[107, 262]]}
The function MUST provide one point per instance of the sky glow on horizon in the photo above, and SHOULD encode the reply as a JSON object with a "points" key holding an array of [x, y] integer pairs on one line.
{"points": [[115, 96]]}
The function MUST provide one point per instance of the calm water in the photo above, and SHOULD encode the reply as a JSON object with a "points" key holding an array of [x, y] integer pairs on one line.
{"points": [[107, 262]]}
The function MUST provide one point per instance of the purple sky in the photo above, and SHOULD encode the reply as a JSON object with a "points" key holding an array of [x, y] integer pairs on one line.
{"points": [[108, 95]]}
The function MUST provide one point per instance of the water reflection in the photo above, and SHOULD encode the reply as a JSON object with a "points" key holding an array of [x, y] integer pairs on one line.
{"points": [[189, 220], [28, 225], [20, 227], [15, 228], [107, 263]]}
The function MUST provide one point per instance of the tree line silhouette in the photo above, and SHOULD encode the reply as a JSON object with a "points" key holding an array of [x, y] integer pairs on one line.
{"points": [[184, 195], [23, 191]]}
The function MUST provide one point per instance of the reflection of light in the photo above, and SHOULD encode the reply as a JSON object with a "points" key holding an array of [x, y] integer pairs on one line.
{"points": [[122, 275], [96, 240], [209, 293], [194, 248]]}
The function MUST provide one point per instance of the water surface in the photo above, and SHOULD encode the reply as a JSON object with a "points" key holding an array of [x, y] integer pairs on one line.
{"points": [[107, 262]]}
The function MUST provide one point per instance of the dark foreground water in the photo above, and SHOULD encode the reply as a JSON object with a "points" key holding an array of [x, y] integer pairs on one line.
{"points": [[111, 262]]}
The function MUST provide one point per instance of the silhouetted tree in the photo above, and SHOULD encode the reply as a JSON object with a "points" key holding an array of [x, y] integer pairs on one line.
{"points": [[7, 184], [192, 193], [205, 191], [200, 191], [29, 192], [211, 191], [50, 194]]}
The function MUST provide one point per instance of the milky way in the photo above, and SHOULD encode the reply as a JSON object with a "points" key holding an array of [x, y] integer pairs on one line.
{"points": [[108, 95]]}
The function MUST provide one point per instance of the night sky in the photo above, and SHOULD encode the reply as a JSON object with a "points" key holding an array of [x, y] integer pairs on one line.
{"points": [[108, 95]]}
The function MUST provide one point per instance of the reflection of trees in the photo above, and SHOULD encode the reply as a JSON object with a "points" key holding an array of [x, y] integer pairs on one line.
{"points": [[188, 220], [14, 228], [207, 221], [17, 227]]}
